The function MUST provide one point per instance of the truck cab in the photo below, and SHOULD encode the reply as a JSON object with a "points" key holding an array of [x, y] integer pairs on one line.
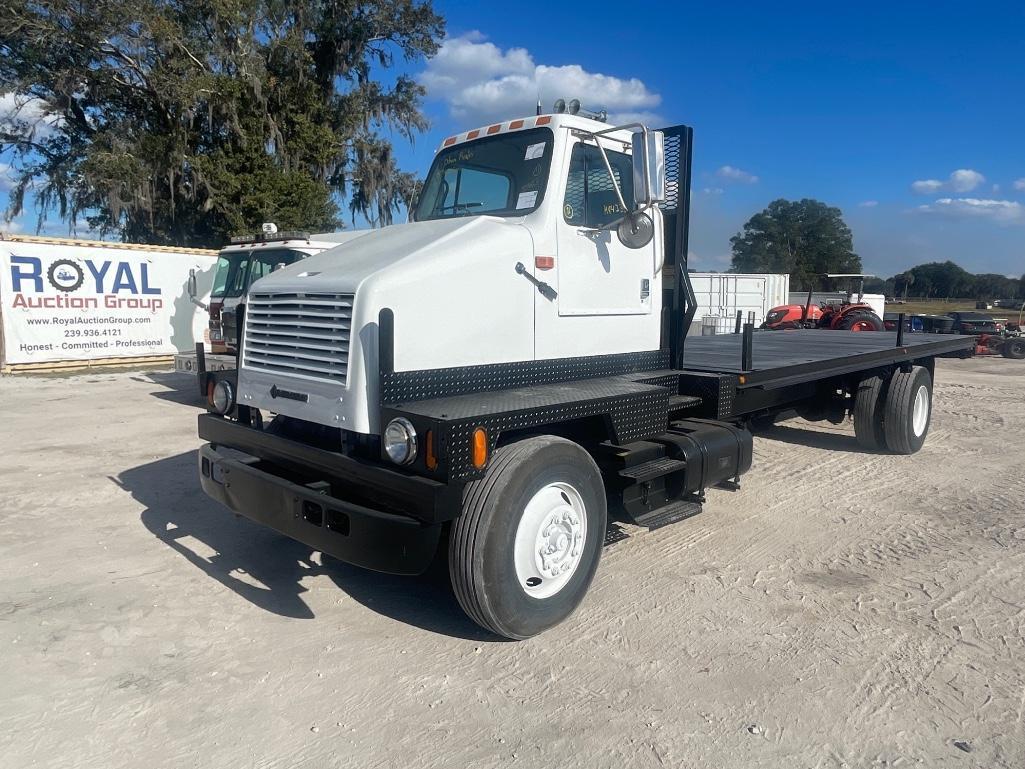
{"points": [[515, 254]]}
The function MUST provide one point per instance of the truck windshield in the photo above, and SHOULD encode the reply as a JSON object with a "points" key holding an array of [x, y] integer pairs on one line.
{"points": [[501, 175], [236, 271], [228, 268]]}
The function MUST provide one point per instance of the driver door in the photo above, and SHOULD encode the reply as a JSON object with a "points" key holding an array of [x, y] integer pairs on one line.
{"points": [[598, 275]]}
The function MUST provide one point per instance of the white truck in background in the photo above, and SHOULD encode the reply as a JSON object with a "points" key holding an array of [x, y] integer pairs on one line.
{"points": [[239, 265]]}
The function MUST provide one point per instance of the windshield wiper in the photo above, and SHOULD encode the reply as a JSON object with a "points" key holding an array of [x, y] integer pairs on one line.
{"points": [[460, 207]]}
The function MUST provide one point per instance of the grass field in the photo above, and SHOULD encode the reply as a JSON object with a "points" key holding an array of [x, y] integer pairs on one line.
{"points": [[942, 307]]}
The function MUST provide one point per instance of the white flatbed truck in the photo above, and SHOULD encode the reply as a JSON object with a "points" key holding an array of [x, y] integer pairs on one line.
{"points": [[496, 380]]}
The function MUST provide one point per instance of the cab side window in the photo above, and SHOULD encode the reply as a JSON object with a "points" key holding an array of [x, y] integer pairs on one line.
{"points": [[591, 199]]}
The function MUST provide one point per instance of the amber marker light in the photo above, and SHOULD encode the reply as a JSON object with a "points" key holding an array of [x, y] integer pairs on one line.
{"points": [[479, 448], [430, 458]]}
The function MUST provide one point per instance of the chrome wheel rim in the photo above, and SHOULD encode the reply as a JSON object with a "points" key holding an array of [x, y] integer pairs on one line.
{"points": [[550, 540]]}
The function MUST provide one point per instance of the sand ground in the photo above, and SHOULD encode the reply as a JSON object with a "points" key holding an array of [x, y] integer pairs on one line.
{"points": [[841, 610]]}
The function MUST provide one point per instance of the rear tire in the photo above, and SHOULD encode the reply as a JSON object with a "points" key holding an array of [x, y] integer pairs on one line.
{"points": [[540, 494], [869, 403], [1014, 349], [861, 320], [908, 410]]}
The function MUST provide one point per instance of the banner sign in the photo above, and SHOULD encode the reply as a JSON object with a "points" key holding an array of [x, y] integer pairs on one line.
{"points": [[82, 302]]}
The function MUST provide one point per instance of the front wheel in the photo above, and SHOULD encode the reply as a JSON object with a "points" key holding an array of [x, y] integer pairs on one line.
{"points": [[524, 550]]}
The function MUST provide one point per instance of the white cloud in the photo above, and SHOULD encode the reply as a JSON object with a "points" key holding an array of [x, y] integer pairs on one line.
{"points": [[965, 180], [927, 186], [26, 115], [1000, 211], [733, 174], [713, 190], [481, 83], [961, 180], [712, 263], [1019, 184], [6, 177], [868, 204], [10, 228]]}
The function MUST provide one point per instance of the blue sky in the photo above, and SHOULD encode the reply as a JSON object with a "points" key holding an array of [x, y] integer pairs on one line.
{"points": [[910, 117], [851, 104]]}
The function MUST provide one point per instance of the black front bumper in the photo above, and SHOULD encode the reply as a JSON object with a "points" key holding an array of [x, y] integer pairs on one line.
{"points": [[291, 488]]}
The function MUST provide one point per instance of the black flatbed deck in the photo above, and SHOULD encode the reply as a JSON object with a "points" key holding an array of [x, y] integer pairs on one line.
{"points": [[784, 357]]}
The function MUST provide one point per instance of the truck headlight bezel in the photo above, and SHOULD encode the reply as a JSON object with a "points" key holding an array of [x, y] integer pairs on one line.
{"points": [[399, 441], [222, 399]]}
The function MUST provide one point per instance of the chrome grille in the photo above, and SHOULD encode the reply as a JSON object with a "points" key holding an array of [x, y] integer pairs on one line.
{"points": [[304, 335]]}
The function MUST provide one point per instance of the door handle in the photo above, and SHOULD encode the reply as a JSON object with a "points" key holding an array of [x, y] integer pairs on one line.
{"points": [[542, 288]]}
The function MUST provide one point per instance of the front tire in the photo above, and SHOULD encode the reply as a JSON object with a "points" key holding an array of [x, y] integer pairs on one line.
{"points": [[525, 548], [908, 410]]}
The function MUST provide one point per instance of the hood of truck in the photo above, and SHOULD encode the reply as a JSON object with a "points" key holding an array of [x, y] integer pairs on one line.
{"points": [[452, 286], [343, 268]]}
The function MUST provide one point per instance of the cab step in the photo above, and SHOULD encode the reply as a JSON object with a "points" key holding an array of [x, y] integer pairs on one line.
{"points": [[652, 469], [674, 512], [683, 402]]}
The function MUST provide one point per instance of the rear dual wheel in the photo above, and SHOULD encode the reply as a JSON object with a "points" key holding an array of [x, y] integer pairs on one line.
{"points": [[524, 550], [869, 401], [894, 415], [908, 410]]}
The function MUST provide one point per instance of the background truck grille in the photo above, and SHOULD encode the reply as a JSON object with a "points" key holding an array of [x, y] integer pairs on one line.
{"points": [[305, 335]]}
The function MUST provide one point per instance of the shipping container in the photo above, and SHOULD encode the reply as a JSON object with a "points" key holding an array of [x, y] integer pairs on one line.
{"points": [[721, 295]]}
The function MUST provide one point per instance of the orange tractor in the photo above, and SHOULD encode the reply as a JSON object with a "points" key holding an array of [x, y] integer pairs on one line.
{"points": [[849, 313]]}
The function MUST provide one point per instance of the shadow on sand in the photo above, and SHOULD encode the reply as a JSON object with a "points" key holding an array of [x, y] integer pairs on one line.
{"points": [[797, 435], [267, 568], [177, 387]]}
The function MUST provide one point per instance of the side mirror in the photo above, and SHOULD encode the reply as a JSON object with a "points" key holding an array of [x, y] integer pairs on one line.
{"points": [[649, 168], [193, 291]]}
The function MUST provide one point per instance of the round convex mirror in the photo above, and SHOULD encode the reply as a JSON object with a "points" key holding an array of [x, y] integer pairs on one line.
{"points": [[636, 230]]}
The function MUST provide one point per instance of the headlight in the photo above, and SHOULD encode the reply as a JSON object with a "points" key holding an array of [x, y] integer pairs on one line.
{"points": [[400, 441], [223, 398]]}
